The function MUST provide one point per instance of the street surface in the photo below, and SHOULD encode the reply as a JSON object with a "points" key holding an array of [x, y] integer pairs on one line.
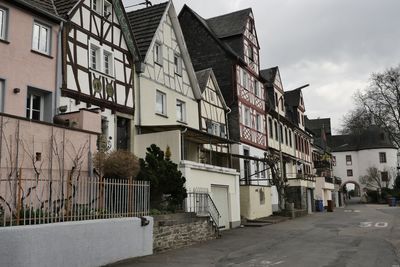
{"points": [[357, 235]]}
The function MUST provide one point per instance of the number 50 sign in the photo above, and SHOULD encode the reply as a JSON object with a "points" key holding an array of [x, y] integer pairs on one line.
{"points": [[371, 224]]}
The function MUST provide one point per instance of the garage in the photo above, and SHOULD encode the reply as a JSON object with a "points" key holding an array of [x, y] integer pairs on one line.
{"points": [[219, 194]]}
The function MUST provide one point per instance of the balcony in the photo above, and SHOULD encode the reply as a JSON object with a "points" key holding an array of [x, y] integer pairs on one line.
{"points": [[322, 164], [329, 179]]}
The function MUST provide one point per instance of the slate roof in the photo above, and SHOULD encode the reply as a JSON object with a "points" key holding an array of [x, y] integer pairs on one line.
{"points": [[269, 75], [292, 98], [372, 138], [64, 6], [213, 34], [231, 24], [316, 125], [203, 77], [144, 23]]}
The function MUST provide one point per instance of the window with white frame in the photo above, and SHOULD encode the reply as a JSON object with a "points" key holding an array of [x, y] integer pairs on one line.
{"points": [[271, 128], [3, 23], [256, 88], [102, 7], [258, 123], [34, 107], [180, 111], [247, 117], [95, 57], [41, 38], [161, 103], [108, 63], [178, 64], [158, 53]]}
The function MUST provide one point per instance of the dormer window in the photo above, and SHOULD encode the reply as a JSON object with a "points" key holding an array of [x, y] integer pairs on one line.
{"points": [[102, 7], [178, 64], [251, 53]]}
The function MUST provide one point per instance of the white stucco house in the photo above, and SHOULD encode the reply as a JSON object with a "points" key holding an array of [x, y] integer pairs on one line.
{"points": [[354, 154]]}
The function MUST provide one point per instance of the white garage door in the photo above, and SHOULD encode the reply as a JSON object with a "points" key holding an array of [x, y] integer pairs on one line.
{"points": [[219, 194]]}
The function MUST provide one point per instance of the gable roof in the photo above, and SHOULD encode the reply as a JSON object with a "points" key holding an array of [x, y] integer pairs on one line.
{"points": [[316, 125], [292, 98], [372, 138], [205, 24], [269, 75], [144, 23], [231, 24], [203, 77], [64, 6]]}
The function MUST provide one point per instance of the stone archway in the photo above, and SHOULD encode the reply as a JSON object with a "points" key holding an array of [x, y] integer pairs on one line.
{"points": [[358, 189]]}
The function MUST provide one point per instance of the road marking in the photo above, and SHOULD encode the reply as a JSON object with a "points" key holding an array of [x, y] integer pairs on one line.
{"points": [[347, 210], [381, 224], [356, 211], [376, 225]]}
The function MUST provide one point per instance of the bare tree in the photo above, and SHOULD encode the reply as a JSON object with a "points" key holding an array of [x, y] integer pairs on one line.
{"points": [[373, 179], [281, 184], [356, 121], [382, 100]]}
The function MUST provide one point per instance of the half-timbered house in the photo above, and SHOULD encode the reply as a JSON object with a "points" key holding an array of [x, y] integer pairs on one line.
{"points": [[284, 130], [172, 110], [98, 53], [228, 44]]}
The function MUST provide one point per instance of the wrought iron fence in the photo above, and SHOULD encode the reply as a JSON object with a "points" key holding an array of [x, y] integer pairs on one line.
{"points": [[42, 201], [202, 204]]}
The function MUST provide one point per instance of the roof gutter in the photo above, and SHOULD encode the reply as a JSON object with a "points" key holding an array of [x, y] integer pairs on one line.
{"points": [[37, 9]]}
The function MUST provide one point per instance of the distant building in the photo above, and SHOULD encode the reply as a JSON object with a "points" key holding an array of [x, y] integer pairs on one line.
{"points": [[354, 154]]}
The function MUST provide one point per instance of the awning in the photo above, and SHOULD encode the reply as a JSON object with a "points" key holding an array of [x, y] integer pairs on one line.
{"points": [[189, 133]]}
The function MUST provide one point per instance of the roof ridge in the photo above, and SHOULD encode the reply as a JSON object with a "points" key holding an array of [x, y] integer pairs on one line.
{"points": [[148, 8], [231, 13]]}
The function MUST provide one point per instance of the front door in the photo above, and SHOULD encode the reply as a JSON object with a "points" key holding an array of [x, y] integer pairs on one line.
{"points": [[219, 195], [123, 133]]}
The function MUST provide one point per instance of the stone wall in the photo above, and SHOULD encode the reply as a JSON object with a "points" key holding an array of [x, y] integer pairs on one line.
{"points": [[174, 231]]}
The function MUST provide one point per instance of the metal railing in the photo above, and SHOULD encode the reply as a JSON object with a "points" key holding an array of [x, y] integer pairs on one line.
{"points": [[203, 205], [43, 201]]}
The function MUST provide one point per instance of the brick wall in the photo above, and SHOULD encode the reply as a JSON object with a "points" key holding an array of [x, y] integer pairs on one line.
{"points": [[174, 231]]}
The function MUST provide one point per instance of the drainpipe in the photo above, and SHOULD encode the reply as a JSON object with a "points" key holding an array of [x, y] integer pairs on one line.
{"points": [[59, 67], [227, 133]]}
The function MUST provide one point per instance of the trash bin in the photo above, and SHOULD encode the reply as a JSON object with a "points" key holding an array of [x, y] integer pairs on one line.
{"points": [[319, 205], [330, 206], [392, 201]]}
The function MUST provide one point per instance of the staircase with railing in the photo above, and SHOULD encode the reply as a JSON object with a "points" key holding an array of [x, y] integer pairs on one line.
{"points": [[202, 205]]}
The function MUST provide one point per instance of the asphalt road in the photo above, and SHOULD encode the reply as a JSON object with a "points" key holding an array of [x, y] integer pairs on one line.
{"points": [[357, 235]]}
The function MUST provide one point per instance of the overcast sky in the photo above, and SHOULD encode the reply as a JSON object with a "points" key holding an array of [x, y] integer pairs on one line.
{"points": [[334, 45]]}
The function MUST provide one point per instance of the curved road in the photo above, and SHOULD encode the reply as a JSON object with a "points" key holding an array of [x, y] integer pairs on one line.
{"points": [[357, 235]]}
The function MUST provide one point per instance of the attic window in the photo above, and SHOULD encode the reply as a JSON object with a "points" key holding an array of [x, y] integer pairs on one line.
{"points": [[178, 64], [158, 53]]}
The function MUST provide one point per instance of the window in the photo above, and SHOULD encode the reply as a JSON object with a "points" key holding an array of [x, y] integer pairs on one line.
{"points": [[161, 103], [382, 157], [350, 173], [180, 111], [34, 107], [286, 136], [178, 64], [263, 169], [282, 106], [212, 96], [244, 79], [251, 53], [256, 88], [290, 138], [281, 132], [385, 176], [257, 168], [348, 160], [276, 100], [258, 123], [271, 128], [107, 9], [247, 118], [123, 133], [41, 38], [158, 53], [276, 130], [94, 57], [3, 23], [108, 67]]}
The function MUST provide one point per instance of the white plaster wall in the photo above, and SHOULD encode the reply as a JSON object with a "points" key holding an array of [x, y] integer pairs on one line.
{"points": [[204, 176], [250, 206], [362, 160], [162, 140], [87, 243], [323, 191]]}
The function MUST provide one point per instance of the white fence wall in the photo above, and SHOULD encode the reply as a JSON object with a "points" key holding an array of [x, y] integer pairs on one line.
{"points": [[81, 244]]}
